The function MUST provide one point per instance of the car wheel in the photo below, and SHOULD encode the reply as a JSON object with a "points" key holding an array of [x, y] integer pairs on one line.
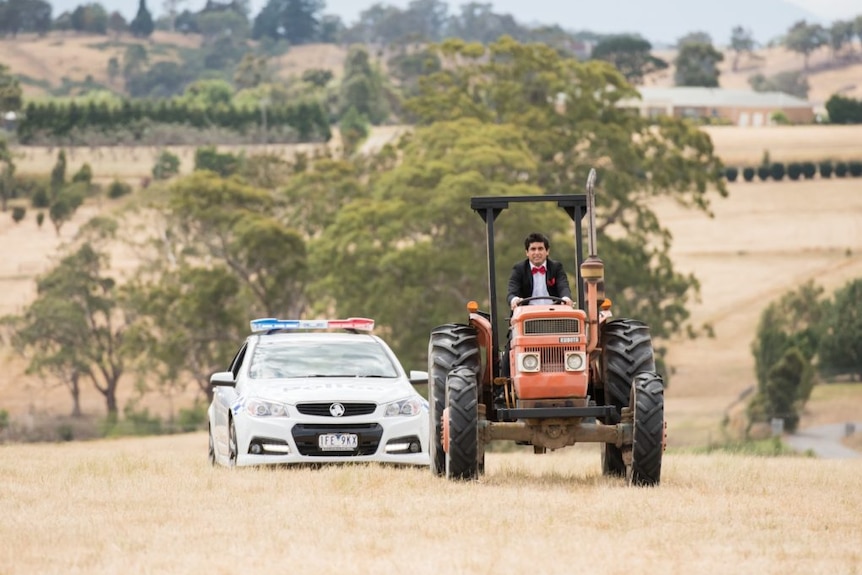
{"points": [[211, 454], [232, 448]]}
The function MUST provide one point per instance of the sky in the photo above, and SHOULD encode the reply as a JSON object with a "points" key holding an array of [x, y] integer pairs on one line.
{"points": [[677, 17]]}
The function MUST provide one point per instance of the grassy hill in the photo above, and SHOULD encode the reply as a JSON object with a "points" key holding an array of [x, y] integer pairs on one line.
{"points": [[46, 63]]}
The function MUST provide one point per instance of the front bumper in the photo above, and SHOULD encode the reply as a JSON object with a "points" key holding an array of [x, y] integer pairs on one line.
{"points": [[279, 441]]}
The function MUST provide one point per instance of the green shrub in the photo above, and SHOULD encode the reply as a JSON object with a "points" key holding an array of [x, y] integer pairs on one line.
{"points": [[763, 173], [855, 169], [748, 173], [776, 170], [118, 189], [208, 158], [40, 197], [167, 165], [40, 218], [809, 170], [731, 174], [826, 169], [841, 169], [192, 419], [18, 213], [794, 170], [85, 175]]}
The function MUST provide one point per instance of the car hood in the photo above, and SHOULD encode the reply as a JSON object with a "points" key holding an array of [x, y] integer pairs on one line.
{"points": [[295, 391]]}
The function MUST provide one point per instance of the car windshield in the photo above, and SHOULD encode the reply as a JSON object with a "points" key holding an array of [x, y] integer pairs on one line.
{"points": [[337, 358]]}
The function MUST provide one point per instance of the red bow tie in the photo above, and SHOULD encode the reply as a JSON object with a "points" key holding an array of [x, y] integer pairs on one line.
{"points": [[539, 270]]}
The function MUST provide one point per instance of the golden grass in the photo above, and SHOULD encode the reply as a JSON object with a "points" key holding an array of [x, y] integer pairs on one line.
{"points": [[745, 146], [153, 505]]}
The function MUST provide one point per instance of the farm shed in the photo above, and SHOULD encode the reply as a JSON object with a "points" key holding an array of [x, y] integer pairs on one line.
{"points": [[738, 107]]}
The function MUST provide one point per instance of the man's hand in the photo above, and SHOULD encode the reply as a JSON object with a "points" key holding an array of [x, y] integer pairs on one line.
{"points": [[569, 301], [514, 302]]}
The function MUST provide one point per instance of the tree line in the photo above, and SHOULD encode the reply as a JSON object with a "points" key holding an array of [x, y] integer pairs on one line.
{"points": [[309, 119]]}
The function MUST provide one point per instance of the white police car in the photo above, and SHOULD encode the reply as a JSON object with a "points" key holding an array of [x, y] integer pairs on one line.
{"points": [[316, 391]]}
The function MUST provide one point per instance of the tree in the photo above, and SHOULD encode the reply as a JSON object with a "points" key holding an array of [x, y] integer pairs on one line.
{"points": [[229, 222], [10, 91], [142, 25], [189, 319], [805, 38], [840, 350], [296, 21], [741, 42], [58, 172], [840, 35], [697, 65], [630, 55], [515, 118], [25, 16], [6, 175], [786, 342], [251, 72], [362, 87], [793, 83], [75, 327], [354, 129]]}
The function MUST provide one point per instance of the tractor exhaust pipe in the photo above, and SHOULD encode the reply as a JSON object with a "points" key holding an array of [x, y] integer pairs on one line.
{"points": [[593, 269], [591, 210]]}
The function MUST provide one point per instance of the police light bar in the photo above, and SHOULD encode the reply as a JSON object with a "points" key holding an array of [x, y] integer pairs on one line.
{"points": [[270, 323]]}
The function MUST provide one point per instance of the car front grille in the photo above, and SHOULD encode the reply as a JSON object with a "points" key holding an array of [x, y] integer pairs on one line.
{"points": [[322, 409], [550, 326], [305, 436]]}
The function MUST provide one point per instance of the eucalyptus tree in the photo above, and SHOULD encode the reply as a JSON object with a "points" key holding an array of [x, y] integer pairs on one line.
{"points": [[506, 119]]}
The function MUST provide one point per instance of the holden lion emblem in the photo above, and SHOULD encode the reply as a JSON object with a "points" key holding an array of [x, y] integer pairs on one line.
{"points": [[336, 410]]}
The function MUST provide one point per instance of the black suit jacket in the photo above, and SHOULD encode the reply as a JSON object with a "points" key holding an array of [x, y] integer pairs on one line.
{"points": [[521, 280]]}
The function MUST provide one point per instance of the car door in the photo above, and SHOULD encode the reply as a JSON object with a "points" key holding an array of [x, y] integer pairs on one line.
{"points": [[223, 398]]}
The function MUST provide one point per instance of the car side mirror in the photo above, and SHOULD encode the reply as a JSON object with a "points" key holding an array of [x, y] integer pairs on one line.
{"points": [[222, 379], [418, 377]]}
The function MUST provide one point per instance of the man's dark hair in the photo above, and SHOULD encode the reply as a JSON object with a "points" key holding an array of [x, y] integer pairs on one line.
{"points": [[536, 237]]}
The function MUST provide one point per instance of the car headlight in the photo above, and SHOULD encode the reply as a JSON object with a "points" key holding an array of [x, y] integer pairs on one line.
{"points": [[576, 361], [405, 407], [529, 362], [261, 408]]}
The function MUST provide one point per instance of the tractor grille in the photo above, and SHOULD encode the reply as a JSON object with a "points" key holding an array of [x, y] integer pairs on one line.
{"points": [[550, 326], [553, 358], [322, 409]]}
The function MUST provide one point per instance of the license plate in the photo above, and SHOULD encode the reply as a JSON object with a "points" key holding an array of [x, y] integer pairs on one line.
{"points": [[338, 441]]}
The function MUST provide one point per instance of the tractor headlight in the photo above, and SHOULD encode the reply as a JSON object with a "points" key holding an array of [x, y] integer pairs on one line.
{"points": [[575, 361], [529, 362]]}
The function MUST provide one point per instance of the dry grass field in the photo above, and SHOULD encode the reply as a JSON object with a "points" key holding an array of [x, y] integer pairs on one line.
{"points": [[153, 505]]}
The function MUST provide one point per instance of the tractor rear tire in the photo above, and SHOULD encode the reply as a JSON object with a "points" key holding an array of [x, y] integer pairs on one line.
{"points": [[450, 346], [462, 399], [626, 351], [648, 433]]}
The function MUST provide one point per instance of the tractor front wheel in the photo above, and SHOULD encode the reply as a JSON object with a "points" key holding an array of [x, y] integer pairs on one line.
{"points": [[462, 401], [626, 351], [451, 346], [648, 439]]}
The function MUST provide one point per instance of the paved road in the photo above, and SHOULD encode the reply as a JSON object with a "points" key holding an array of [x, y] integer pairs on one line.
{"points": [[824, 441]]}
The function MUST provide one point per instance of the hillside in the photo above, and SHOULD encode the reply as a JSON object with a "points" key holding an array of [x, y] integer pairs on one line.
{"points": [[764, 239], [826, 74], [47, 62]]}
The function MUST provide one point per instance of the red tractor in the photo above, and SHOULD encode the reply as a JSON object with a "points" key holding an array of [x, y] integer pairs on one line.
{"points": [[576, 373]]}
